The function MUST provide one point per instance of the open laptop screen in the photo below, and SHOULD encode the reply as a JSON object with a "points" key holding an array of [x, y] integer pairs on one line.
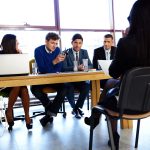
{"points": [[14, 64], [104, 64]]}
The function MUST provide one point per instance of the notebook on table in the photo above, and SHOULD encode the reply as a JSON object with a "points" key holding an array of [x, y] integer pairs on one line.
{"points": [[14, 64], [104, 64]]}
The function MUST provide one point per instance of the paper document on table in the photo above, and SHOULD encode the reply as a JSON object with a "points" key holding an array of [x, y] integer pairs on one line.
{"points": [[104, 64]]}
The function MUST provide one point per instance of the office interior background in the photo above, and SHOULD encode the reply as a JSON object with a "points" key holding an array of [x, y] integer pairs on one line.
{"points": [[31, 20]]}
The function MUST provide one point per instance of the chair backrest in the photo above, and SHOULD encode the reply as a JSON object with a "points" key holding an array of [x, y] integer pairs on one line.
{"points": [[30, 64], [135, 90]]}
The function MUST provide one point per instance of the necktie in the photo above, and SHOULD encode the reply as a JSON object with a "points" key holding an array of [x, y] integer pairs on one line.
{"points": [[107, 55], [77, 57]]}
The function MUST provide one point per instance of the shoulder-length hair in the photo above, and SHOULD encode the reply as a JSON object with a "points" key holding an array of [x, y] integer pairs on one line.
{"points": [[8, 44], [139, 20]]}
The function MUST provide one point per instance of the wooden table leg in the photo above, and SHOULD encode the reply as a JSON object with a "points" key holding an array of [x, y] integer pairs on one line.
{"points": [[95, 92], [97, 82]]}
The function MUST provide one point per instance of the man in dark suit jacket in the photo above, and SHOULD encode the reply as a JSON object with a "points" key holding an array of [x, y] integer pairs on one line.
{"points": [[105, 52], [68, 65]]}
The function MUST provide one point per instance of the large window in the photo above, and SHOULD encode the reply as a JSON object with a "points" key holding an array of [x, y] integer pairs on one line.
{"points": [[31, 20], [121, 11], [91, 40], [85, 14], [27, 12], [28, 40]]}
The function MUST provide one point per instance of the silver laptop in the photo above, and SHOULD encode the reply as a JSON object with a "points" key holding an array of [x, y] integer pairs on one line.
{"points": [[14, 64], [104, 64]]}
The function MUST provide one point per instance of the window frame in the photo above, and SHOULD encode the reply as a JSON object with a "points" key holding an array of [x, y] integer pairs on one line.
{"points": [[26, 26]]}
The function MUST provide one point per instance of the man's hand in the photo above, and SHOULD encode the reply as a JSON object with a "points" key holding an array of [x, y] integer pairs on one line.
{"points": [[59, 59], [81, 67]]}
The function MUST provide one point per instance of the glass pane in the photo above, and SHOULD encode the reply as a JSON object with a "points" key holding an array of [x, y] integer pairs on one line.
{"points": [[91, 40], [123, 9], [118, 35], [30, 12], [28, 40], [85, 14]]}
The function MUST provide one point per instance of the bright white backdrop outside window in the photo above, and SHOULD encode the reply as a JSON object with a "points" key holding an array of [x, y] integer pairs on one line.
{"points": [[122, 10], [28, 40], [32, 12], [91, 40], [85, 14]]}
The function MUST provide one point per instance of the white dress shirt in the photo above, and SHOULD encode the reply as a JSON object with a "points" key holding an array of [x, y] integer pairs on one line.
{"points": [[107, 54]]}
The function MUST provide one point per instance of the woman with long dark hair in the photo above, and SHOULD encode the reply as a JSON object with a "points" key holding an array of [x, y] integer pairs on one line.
{"points": [[9, 45], [132, 51]]}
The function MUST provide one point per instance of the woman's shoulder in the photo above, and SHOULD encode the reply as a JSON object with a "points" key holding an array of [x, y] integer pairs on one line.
{"points": [[127, 39], [127, 42]]}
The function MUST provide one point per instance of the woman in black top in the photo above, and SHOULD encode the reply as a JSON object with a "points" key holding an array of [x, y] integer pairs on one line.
{"points": [[132, 51]]}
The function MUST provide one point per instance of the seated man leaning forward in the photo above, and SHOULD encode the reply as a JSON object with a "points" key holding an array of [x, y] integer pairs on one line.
{"points": [[49, 60], [77, 54]]}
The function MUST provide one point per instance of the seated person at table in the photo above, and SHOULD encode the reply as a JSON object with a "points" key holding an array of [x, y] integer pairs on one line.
{"points": [[133, 50], [9, 45], [78, 54], [49, 60], [106, 52]]}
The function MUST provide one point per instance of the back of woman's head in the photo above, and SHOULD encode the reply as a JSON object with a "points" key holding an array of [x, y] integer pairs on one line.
{"points": [[8, 44], [139, 17], [139, 20]]}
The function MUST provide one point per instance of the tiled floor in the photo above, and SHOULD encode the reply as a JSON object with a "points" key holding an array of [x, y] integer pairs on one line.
{"points": [[69, 134]]}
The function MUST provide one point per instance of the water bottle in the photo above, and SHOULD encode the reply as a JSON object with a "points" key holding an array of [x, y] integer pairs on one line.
{"points": [[34, 68]]}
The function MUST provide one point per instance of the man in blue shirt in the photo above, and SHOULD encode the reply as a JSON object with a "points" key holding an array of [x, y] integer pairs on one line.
{"points": [[49, 60]]}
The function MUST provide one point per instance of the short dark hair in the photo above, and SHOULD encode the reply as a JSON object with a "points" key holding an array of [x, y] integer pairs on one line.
{"points": [[108, 36], [52, 35], [77, 36]]}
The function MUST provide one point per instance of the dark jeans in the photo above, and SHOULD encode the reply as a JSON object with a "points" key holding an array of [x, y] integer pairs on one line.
{"points": [[107, 99], [102, 83], [58, 100], [83, 88]]}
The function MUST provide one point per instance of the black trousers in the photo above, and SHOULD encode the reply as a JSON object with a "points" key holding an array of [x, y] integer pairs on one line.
{"points": [[43, 97], [83, 87]]}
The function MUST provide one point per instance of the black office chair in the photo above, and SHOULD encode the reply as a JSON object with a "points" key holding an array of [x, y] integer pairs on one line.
{"points": [[133, 102]]}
